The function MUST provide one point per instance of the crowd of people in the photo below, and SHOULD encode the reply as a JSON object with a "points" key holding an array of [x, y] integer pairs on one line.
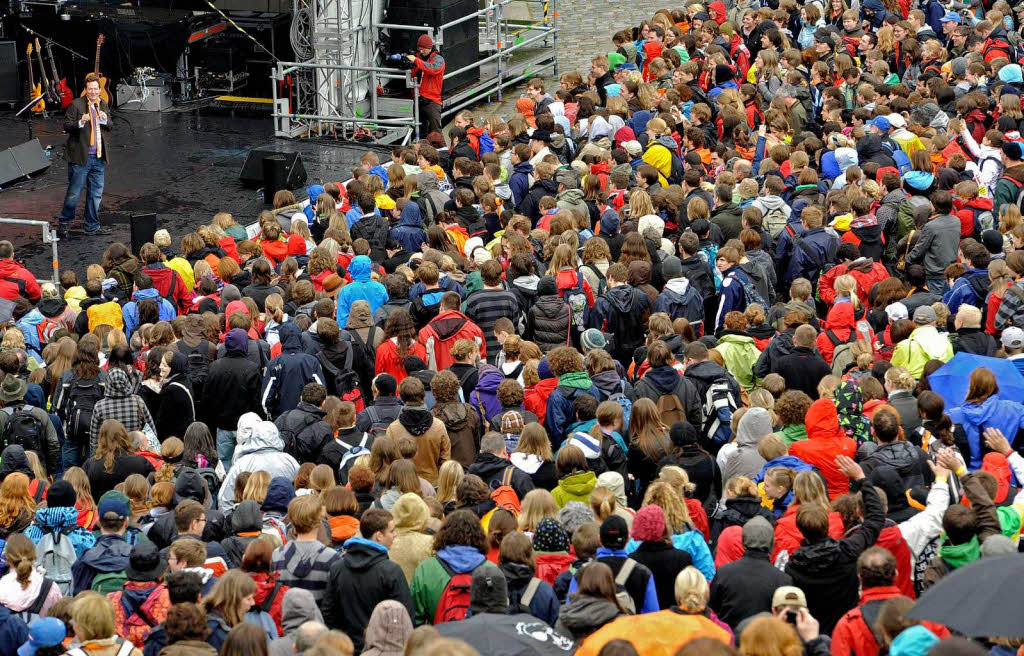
{"points": [[651, 366]]}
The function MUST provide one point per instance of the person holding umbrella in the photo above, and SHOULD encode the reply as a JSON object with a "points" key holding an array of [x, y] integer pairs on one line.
{"points": [[984, 408]]}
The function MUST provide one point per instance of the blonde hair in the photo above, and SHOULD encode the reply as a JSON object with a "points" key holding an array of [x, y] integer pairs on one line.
{"points": [[741, 486], [691, 590], [808, 489], [448, 479], [602, 503], [256, 487], [846, 285], [827, 387], [321, 478], [94, 616], [678, 478], [900, 378], [537, 504], [227, 595], [663, 495]]}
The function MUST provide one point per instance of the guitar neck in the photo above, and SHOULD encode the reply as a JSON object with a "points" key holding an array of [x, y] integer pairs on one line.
{"points": [[31, 74], [96, 66], [53, 63]]}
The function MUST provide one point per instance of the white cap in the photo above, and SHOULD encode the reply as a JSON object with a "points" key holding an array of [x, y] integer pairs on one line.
{"points": [[897, 120], [896, 311], [1013, 337]]}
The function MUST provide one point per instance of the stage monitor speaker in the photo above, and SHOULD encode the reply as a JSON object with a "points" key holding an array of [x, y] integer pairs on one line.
{"points": [[461, 42], [252, 168], [273, 176], [22, 161], [143, 227], [10, 88]]}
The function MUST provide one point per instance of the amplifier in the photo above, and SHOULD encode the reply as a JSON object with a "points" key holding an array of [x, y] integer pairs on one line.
{"points": [[131, 97]]}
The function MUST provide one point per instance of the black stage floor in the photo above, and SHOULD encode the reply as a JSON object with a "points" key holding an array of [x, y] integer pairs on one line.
{"points": [[183, 166]]}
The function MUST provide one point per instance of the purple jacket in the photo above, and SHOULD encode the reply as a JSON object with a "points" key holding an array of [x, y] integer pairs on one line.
{"points": [[485, 396]]}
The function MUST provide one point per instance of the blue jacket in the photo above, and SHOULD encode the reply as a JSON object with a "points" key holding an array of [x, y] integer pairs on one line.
{"points": [[970, 288], [381, 173], [650, 594], [1007, 416], [800, 264], [313, 191], [829, 167], [362, 288], [13, 631], [64, 519], [519, 182], [409, 232], [288, 373], [717, 91], [560, 413], [445, 282], [792, 462], [692, 542], [544, 605], [130, 311], [732, 295], [27, 325], [109, 555]]}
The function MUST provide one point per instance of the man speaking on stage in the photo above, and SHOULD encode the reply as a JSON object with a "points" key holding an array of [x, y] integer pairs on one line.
{"points": [[428, 64], [87, 122]]}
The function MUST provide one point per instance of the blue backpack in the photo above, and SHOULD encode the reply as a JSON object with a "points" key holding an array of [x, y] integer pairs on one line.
{"points": [[260, 615], [898, 156], [627, 408]]}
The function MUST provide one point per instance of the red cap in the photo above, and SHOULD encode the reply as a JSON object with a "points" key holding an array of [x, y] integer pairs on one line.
{"points": [[424, 41]]}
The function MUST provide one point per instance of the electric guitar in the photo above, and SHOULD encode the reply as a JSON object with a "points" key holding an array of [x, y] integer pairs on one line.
{"points": [[60, 84], [104, 82], [34, 89], [47, 87]]}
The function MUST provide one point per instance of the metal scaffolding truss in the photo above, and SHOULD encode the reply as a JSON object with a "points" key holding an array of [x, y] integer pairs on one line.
{"points": [[333, 88]]}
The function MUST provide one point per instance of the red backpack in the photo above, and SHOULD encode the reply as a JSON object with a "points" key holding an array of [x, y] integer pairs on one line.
{"points": [[504, 495], [454, 602]]}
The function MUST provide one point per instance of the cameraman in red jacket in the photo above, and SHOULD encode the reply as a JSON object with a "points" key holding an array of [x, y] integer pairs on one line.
{"points": [[428, 65]]}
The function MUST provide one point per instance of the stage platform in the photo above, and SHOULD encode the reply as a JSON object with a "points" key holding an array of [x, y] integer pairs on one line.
{"points": [[183, 166]]}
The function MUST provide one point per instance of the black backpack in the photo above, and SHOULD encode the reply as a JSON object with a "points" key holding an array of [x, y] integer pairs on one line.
{"points": [[198, 363], [364, 357], [82, 399], [338, 381], [23, 429], [378, 427], [291, 430]]}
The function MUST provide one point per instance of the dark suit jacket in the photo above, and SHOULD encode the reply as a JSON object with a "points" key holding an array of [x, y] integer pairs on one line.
{"points": [[78, 137]]}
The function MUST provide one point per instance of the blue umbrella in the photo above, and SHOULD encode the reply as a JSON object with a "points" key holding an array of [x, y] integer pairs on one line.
{"points": [[951, 380]]}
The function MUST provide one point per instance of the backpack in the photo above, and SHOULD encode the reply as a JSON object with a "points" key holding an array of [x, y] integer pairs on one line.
{"points": [[290, 433], [719, 405], [899, 156], [579, 310], [1020, 190], [462, 381], [45, 330], [260, 615], [378, 428], [364, 355], [55, 556], [107, 582], [842, 354], [24, 429], [82, 398], [818, 265], [275, 527], [775, 220], [32, 612], [625, 404], [625, 599], [198, 363], [514, 374], [504, 496], [750, 293], [212, 481], [602, 282], [670, 408], [524, 602], [676, 169], [454, 602], [339, 382]]}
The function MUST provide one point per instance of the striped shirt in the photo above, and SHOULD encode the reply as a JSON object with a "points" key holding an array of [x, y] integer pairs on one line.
{"points": [[486, 306], [305, 565]]}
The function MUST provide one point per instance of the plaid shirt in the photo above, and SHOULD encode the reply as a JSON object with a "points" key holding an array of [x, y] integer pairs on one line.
{"points": [[129, 410], [1011, 310]]}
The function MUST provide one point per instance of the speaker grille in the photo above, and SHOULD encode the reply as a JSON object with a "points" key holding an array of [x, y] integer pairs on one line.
{"points": [[10, 86]]}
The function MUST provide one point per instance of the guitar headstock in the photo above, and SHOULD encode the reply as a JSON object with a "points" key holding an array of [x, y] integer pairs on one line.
{"points": [[28, 49]]}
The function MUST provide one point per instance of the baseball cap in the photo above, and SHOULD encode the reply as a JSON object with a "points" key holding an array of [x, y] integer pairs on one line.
{"points": [[950, 17], [115, 503], [897, 120], [43, 632], [924, 314], [789, 595], [881, 123], [896, 311], [614, 532], [628, 66], [1013, 337], [633, 147]]}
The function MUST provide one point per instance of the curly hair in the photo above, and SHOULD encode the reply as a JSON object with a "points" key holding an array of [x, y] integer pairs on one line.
{"points": [[663, 495], [792, 407], [445, 386], [462, 527], [510, 393], [564, 360]]}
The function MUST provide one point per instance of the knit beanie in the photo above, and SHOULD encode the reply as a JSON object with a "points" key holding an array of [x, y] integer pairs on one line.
{"points": [[550, 537], [544, 370], [574, 515], [649, 524], [591, 339], [61, 495]]}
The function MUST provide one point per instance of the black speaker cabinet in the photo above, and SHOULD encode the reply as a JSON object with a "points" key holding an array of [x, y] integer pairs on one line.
{"points": [[461, 43], [10, 89], [22, 161], [253, 168], [143, 227]]}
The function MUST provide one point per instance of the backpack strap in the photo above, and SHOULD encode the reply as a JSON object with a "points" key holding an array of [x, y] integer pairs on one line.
{"points": [[627, 569], [191, 401], [269, 601], [126, 648], [371, 412], [530, 592], [44, 591]]}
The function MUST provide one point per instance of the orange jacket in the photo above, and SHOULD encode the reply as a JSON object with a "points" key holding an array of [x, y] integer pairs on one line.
{"points": [[825, 440]]}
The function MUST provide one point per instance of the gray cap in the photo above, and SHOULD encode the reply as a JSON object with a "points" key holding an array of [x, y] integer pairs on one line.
{"points": [[671, 267], [488, 591], [758, 534], [924, 314], [958, 66], [567, 178], [786, 91]]}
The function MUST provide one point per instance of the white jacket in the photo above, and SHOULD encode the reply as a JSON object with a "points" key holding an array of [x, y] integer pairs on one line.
{"points": [[990, 162], [260, 448]]}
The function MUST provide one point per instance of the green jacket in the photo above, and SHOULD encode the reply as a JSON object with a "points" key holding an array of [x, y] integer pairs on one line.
{"points": [[576, 487], [740, 355], [1006, 192], [793, 433]]}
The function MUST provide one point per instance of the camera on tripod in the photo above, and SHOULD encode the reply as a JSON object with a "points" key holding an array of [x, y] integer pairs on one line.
{"points": [[400, 61]]}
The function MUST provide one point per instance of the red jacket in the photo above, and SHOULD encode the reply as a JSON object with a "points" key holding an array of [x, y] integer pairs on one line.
{"points": [[966, 210], [825, 440], [891, 539], [168, 283], [730, 546], [389, 362], [853, 637], [275, 251], [264, 588], [789, 538], [840, 320], [699, 517], [431, 74], [867, 273], [536, 398], [16, 280], [439, 336], [567, 279], [230, 248], [550, 565]]}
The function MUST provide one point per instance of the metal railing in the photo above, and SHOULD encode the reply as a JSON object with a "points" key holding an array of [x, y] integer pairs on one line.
{"points": [[49, 237]]}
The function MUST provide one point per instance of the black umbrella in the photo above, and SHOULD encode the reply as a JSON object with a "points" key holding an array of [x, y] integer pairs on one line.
{"points": [[982, 599], [508, 635]]}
